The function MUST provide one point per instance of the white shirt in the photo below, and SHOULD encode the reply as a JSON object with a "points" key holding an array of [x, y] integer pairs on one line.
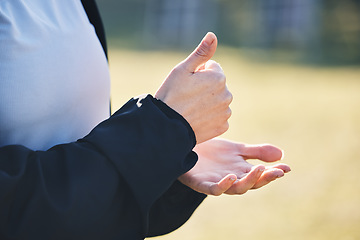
{"points": [[54, 78]]}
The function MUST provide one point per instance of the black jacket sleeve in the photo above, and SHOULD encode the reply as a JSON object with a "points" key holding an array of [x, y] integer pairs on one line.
{"points": [[104, 186], [173, 209]]}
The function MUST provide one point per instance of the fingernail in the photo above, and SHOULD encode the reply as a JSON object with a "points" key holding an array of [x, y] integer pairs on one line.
{"points": [[232, 178], [261, 169], [207, 41]]}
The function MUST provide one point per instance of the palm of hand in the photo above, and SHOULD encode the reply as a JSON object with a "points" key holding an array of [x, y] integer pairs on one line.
{"points": [[222, 167]]}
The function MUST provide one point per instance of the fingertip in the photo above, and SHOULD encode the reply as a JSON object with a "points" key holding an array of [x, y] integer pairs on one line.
{"points": [[211, 33], [202, 53], [231, 178], [271, 153], [284, 167], [227, 181], [259, 168], [210, 38], [280, 174], [223, 185], [274, 173], [256, 172]]}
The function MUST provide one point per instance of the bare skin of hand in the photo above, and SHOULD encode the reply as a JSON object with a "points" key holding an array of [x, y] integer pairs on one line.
{"points": [[222, 167], [196, 89]]}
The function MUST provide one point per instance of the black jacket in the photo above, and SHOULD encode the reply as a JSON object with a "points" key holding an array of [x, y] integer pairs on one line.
{"points": [[119, 182]]}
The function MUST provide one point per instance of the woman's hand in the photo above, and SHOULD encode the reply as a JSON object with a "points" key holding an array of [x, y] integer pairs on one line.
{"points": [[196, 89], [222, 167]]}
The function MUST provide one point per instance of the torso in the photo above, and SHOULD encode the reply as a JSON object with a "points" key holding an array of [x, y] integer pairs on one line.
{"points": [[54, 79]]}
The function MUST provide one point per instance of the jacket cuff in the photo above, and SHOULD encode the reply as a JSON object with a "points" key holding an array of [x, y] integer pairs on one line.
{"points": [[171, 113]]}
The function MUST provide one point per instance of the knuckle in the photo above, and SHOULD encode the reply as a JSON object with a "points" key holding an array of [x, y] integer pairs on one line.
{"points": [[230, 97], [226, 126], [201, 51], [228, 113], [223, 128], [226, 101], [220, 78]]}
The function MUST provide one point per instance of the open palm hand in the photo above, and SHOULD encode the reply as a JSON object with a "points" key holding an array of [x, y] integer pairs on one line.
{"points": [[222, 167]]}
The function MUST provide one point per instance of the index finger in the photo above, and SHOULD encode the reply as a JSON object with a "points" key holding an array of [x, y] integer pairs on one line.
{"points": [[213, 65]]}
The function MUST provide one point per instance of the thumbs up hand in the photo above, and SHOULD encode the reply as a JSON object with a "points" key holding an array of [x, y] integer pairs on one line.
{"points": [[196, 89]]}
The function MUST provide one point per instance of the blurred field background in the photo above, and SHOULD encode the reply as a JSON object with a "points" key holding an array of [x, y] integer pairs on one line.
{"points": [[301, 93]]}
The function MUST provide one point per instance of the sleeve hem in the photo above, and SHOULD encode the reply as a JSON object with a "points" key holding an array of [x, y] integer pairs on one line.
{"points": [[171, 113]]}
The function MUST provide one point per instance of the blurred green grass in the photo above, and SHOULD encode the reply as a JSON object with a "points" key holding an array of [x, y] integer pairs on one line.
{"points": [[312, 113]]}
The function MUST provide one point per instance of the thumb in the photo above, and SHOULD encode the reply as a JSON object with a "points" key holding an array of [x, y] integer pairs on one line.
{"points": [[264, 152], [204, 52]]}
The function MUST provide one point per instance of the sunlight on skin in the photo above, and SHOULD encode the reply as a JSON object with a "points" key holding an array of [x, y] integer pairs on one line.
{"points": [[222, 167]]}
